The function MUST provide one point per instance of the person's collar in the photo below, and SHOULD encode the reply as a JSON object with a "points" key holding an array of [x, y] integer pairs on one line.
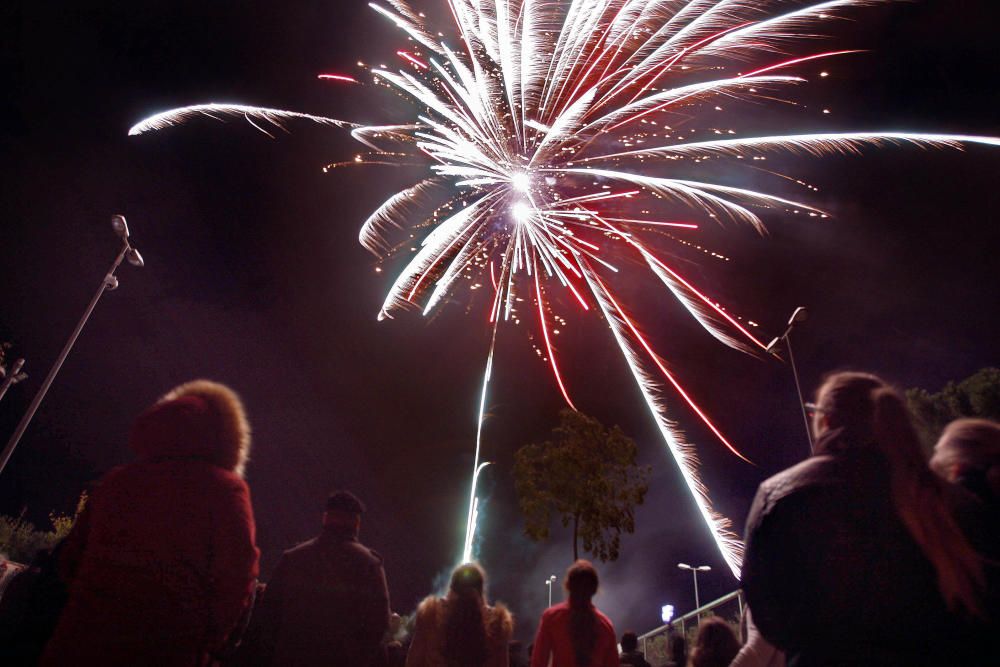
{"points": [[836, 441], [340, 533]]}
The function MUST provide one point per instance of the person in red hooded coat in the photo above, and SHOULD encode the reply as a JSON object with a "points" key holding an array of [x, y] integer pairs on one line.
{"points": [[162, 559]]}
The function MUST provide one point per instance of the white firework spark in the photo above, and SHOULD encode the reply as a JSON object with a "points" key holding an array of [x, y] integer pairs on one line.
{"points": [[530, 108]]}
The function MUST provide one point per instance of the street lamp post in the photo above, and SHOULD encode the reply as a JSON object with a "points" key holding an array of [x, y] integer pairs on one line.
{"points": [[110, 282], [548, 582], [694, 573], [800, 315]]}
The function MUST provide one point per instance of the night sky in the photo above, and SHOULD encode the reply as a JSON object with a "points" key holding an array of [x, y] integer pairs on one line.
{"points": [[254, 277]]}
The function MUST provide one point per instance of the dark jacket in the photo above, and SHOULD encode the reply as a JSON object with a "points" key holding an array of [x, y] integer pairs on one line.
{"points": [[833, 576], [326, 604], [634, 658]]}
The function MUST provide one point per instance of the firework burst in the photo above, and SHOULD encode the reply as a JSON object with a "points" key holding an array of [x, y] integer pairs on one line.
{"points": [[546, 126]]}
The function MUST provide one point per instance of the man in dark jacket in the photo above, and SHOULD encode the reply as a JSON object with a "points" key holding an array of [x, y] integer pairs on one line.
{"points": [[631, 655], [327, 601]]}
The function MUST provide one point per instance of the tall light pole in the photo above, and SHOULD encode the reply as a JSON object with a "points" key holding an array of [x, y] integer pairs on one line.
{"points": [[548, 582], [800, 315], [694, 573], [109, 282]]}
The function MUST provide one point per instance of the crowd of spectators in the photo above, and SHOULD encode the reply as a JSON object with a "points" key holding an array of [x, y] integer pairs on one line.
{"points": [[862, 554]]}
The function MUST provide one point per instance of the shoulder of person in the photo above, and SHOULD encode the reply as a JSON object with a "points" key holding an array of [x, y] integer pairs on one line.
{"points": [[605, 621], [430, 608], [814, 474], [499, 621], [299, 550], [374, 555]]}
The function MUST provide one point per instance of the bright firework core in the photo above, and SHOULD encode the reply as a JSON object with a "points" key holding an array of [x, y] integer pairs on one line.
{"points": [[521, 211], [521, 181]]}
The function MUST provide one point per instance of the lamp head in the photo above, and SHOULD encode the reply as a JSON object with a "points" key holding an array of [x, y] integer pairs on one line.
{"points": [[134, 258], [667, 612], [120, 226], [704, 568], [684, 566], [800, 315], [773, 345]]}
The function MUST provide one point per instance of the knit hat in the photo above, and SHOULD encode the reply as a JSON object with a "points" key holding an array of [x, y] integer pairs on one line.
{"points": [[344, 501]]}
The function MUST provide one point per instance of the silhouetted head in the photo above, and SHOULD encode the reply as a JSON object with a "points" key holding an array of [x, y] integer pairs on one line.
{"points": [[581, 582], [845, 401], [343, 512], [630, 642], [678, 649], [715, 645], [969, 450], [201, 420], [468, 579]]}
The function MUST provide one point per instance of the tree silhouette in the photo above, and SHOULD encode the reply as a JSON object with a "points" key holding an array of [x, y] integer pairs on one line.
{"points": [[976, 396], [588, 476]]}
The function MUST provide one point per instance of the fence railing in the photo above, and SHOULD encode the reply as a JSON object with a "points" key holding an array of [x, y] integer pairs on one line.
{"points": [[656, 643]]}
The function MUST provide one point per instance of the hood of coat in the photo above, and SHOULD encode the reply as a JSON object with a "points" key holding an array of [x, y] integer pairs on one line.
{"points": [[201, 420]]}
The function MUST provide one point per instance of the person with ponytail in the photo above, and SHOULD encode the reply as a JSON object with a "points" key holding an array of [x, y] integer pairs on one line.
{"points": [[460, 629], [575, 633], [861, 541], [968, 454]]}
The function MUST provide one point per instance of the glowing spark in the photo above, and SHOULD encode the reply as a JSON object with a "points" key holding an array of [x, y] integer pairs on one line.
{"points": [[337, 77], [521, 211], [520, 181], [531, 122], [415, 61]]}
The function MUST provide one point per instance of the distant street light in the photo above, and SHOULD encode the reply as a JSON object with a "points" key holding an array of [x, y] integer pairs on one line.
{"points": [[800, 315], [694, 573], [109, 283], [548, 582], [667, 613]]}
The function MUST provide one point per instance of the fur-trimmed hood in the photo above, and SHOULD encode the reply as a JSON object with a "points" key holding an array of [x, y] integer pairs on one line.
{"points": [[202, 420]]}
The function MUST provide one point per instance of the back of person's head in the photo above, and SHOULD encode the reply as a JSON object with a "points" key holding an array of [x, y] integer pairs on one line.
{"points": [[201, 420], [970, 448], [581, 584], [465, 640], [678, 650], [630, 642], [872, 414], [343, 512], [715, 645]]}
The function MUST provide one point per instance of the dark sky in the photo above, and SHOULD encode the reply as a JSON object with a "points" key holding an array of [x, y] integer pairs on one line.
{"points": [[254, 277]]}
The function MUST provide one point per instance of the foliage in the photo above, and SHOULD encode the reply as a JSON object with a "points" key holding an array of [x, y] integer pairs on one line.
{"points": [[20, 540], [976, 396], [588, 476]]}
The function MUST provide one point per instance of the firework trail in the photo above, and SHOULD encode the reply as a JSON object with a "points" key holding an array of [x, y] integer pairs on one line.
{"points": [[540, 124]]}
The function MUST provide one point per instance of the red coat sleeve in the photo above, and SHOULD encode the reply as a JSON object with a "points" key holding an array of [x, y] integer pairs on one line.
{"points": [[234, 562]]}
